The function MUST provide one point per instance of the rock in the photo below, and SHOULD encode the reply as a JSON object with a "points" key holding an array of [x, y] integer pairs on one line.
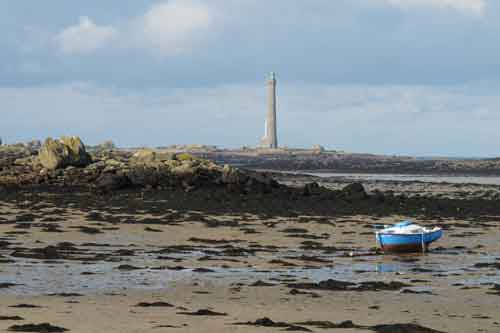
{"points": [[232, 175], [172, 163], [184, 157], [114, 163], [267, 322], [78, 156], [185, 171], [310, 188], [261, 283], [127, 267], [143, 156], [354, 192], [323, 324], [318, 149], [53, 154], [11, 318], [42, 328], [23, 161], [34, 145], [403, 328], [106, 145], [151, 175], [47, 253], [337, 285], [154, 304], [148, 156], [59, 163], [95, 167], [195, 173], [111, 181], [203, 312], [68, 151], [111, 165], [379, 196], [329, 284]]}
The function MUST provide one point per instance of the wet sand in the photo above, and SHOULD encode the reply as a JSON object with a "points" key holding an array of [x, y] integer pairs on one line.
{"points": [[87, 270]]}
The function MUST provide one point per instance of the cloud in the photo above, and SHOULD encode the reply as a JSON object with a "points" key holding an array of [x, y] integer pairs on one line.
{"points": [[85, 37], [172, 27], [167, 28], [417, 120], [472, 6]]}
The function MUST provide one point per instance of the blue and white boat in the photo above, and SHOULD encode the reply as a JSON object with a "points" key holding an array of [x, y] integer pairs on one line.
{"points": [[407, 237]]}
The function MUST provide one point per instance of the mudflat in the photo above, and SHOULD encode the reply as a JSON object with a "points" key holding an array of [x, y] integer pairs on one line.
{"points": [[144, 261]]}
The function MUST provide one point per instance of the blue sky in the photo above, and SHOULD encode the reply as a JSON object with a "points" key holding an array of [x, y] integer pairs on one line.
{"points": [[414, 77]]}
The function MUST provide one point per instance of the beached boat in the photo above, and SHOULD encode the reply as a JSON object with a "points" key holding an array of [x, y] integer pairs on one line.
{"points": [[407, 237]]}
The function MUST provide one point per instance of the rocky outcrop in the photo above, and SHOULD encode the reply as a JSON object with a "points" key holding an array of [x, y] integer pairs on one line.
{"points": [[67, 151], [65, 163]]}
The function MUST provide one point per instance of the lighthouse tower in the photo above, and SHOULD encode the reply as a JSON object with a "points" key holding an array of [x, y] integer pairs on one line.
{"points": [[270, 139]]}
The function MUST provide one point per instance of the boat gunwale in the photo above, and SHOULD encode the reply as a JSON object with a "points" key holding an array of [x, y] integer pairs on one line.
{"points": [[407, 234]]}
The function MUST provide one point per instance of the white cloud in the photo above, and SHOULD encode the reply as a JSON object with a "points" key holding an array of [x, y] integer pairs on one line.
{"points": [[173, 26], [167, 28], [420, 120], [85, 37], [472, 6]]}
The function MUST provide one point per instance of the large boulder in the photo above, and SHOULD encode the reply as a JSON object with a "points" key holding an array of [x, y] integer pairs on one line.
{"points": [[68, 151], [78, 156], [53, 154]]}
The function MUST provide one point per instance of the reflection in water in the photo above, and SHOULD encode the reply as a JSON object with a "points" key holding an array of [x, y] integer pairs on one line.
{"points": [[74, 277], [387, 268]]}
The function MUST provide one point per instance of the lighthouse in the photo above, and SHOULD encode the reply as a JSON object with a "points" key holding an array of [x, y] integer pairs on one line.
{"points": [[270, 139]]}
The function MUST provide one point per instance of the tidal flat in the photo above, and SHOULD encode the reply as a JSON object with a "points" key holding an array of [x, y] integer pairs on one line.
{"points": [[145, 260]]}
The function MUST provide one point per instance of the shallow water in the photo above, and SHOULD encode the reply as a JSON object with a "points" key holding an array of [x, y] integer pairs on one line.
{"points": [[37, 278], [481, 180]]}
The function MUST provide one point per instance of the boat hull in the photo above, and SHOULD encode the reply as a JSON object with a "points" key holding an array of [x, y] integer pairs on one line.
{"points": [[407, 243]]}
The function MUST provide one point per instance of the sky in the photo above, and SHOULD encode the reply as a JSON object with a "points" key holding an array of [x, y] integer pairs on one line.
{"points": [[408, 77]]}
